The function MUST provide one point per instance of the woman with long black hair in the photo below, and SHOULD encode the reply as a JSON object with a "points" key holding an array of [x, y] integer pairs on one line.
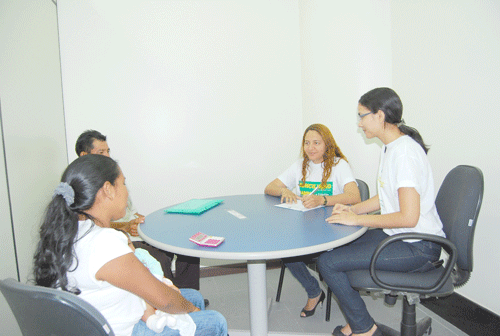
{"points": [[79, 252]]}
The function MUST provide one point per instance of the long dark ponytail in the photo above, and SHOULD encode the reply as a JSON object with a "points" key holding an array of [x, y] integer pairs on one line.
{"points": [[388, 101], [80, 182]]}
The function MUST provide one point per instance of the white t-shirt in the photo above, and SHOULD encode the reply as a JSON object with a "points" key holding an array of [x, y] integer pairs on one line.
{"points": [[341, 175], [93, 249], [403, 163]]}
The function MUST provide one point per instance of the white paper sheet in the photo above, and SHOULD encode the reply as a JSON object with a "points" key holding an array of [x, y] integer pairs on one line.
{"points": [[296, 206]]}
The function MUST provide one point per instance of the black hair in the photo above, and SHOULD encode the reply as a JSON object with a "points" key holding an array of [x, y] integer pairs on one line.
{"points": [[85, 141], [54, 254], [388, 101]]}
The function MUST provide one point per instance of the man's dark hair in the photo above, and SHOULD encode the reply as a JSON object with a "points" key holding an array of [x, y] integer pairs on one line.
{"points": [[86, 139]]}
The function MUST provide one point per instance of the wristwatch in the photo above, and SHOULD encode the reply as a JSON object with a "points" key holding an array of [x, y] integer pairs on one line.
{"points": [[325, 201]]}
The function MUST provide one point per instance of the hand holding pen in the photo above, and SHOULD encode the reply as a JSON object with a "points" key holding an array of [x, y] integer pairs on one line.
{"points": [[310, 200]]}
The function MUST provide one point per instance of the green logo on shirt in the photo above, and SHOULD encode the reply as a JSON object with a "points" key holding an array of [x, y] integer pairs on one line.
{"points": [[307, 187]]}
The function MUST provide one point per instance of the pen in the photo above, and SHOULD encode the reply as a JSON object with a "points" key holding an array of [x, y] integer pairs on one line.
{"points": [[315, 189]]}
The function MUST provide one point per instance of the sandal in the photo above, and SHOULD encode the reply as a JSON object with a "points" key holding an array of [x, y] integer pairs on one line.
{"points": [[308, 313]]}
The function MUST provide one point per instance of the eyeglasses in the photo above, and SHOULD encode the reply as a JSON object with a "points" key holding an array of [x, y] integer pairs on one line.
{"points": [[361, 116]]}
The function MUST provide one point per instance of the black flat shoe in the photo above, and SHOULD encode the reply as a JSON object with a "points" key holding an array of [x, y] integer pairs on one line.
{"points": [[308, 313], [337, 331]]}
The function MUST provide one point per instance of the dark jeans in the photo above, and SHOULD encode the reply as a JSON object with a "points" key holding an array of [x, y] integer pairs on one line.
{"points": [[187, 269], [398, 256], [298, 268]]}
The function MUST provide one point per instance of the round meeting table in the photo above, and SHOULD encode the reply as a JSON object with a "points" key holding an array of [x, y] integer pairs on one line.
{"points": [[255, 230]]}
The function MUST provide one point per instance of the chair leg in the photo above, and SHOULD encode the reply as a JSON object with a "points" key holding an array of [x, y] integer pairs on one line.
{"points": [[424, 326], [280, 283], [328, 304], [409, 325]]}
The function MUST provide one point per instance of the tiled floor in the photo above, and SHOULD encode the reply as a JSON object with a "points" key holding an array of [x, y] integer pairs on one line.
{"points": [[228, 294]]}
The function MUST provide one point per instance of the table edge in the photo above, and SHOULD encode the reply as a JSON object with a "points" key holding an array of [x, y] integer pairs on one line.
{"points": [[212, 253]]}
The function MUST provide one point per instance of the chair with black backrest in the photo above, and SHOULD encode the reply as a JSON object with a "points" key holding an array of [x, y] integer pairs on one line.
{"points": [[42, 311], [458, 203], [364, 192]]}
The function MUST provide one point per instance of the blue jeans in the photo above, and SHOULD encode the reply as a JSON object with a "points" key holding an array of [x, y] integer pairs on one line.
{"points": [[208, 322], [299, 270], [398, 256]]}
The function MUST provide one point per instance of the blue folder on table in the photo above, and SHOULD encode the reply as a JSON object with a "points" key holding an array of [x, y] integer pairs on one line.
{"points": [[194, 206]]}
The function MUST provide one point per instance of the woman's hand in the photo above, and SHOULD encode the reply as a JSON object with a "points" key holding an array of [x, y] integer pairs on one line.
{"points": [[287, 196], [312, 201], [279, 189], [343, 214]]}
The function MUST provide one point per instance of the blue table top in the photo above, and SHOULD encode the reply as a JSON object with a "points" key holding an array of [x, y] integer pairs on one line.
{"points": [[266, 232]]}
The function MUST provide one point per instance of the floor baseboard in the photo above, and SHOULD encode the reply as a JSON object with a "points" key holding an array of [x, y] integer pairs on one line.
{"points": [[464, 314]]}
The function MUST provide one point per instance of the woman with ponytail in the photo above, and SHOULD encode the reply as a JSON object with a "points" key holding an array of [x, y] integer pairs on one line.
{"points": [[405, 198], [79, 252], [321, 177]]}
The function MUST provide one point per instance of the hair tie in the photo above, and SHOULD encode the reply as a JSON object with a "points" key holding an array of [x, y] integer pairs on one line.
{"points": [[66, 191], [402, 122]]}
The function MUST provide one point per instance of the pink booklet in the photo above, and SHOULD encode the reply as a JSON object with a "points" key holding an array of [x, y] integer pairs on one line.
{"points": [[204, 240]]}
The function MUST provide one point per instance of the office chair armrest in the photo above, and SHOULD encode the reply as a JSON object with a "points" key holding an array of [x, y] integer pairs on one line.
{"points": [[447, 244]]}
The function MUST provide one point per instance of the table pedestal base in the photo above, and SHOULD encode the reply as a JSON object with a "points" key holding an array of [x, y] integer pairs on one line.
{"points": [[257, 297]]}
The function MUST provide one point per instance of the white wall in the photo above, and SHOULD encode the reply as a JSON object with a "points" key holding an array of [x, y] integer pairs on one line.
{"points": [[446, 57], [345, 51], [33, 132], [9, 264], [200, 99]]}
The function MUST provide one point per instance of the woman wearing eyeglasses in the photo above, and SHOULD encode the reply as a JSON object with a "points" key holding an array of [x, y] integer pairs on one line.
{"points": [[405, 198]]}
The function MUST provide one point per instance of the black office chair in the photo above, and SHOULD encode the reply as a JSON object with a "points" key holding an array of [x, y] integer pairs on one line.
{"points": [[458, 203], [42, 311], [364, 192]]}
